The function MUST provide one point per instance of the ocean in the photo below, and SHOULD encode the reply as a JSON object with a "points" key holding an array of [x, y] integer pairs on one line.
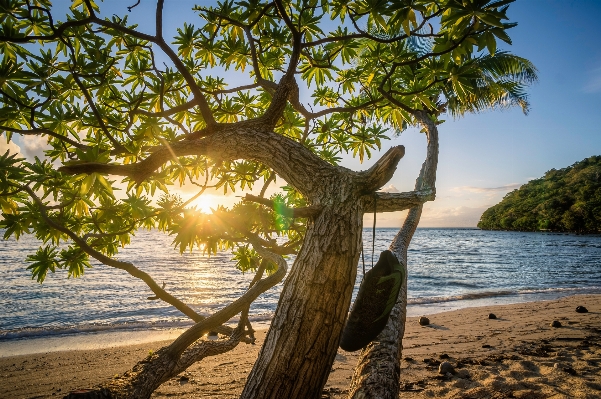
{"points": [[448, 269]]}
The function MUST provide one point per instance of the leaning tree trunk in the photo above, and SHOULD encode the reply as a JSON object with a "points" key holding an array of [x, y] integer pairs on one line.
{"points": [[303, 339], [377, 374], [378, 371], [148, 374]]}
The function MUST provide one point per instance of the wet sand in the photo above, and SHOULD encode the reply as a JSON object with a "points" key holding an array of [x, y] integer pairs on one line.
{"points": [[517, 355]]}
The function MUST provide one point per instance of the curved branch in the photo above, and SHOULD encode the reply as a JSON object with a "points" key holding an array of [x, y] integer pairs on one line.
{"points": [[218, 318], [364, 35], [157, 368], [393, 202], [382, 171], [343, 109], [269, 180], [126, 266], [97, 115], [282, 11], [174, 110], [304, 212], [47, 132], [57, 32], [243, 141], [205, 110]]}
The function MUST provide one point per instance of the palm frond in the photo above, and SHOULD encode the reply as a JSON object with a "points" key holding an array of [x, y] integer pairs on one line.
{"points": [[491, 81]]}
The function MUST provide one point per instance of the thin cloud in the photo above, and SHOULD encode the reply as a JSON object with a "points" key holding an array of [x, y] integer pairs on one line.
{"points": [[594, 83], [462, 216], [35, 146], [390, 189], [11, 147], [507, 188]]}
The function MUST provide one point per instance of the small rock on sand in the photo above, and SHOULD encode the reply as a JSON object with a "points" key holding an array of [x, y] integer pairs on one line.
{"points": [[492, 316], [581, 309], [423, 321], [555, 323], [445, 367]]}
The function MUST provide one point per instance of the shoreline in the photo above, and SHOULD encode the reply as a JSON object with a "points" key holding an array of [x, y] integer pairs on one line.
{"points": [[87, 337], [105, 336], [517, 355]]}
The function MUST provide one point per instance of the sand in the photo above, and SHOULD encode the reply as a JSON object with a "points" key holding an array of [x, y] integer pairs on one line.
{"points": [[517, 355]]}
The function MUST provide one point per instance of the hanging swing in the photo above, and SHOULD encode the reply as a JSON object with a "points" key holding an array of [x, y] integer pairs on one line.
{"points": [[377, 295]]}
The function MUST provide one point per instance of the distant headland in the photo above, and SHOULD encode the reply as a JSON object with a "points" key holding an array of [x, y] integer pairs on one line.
{"points": [[564, 200]]}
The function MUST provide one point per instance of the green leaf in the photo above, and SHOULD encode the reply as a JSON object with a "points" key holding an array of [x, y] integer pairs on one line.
{"points": [[87, 183], [43, 261], [491, 43]]}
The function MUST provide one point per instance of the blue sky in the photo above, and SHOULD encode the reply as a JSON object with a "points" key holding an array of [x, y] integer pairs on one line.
{"points": [[484, 156]]}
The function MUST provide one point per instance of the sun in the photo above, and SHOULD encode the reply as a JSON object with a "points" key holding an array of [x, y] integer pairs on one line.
{"points": [[204, 203]]}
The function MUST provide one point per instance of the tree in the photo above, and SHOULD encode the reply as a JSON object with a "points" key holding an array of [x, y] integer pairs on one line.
{"points": [[567, 199], [94, 88]]}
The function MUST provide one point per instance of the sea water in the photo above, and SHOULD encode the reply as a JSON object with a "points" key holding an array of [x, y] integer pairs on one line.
{"points": [[448, 269]]}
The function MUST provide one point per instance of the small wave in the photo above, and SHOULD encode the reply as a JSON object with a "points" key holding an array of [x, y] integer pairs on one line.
{"points": [[575, 290], [40, 332], [455, 283], [463, 297], [37, 332], [493, 294]]}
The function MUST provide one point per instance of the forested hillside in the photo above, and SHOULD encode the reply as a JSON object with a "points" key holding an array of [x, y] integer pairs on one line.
{"points": [[567, 199]]}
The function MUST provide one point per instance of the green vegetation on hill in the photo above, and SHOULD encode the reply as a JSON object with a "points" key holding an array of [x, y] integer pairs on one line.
{"points": [[567, 199]]}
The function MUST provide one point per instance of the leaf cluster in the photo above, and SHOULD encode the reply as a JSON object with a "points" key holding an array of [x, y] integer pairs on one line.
{"points": [[96, 92]]}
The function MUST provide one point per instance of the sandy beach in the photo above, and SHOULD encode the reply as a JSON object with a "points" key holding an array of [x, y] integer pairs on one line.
{"points": [[516, 355]]}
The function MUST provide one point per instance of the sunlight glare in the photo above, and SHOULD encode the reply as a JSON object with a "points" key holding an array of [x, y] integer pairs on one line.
{"points": [[205, 203]]}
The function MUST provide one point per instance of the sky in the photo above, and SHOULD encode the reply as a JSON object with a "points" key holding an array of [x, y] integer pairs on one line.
{"points": [[482, 156]]}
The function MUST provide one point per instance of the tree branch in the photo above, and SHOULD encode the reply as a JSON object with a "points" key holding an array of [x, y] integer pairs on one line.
{"points": [[205, 110], [218, 318], [48, 132], [57, 32], [304, 212], [377, 373], [269, 180], [174, 110], [126, 266], [242, 141], [393, 202], [382, 171]]}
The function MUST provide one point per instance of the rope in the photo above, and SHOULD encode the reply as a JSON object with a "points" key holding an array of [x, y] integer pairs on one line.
{"points": [[363, 258], [373, 236]]}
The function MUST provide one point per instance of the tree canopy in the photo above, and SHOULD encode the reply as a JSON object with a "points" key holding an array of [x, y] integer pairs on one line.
{"points": [[94, 88], [253, 92], [567, 199]]}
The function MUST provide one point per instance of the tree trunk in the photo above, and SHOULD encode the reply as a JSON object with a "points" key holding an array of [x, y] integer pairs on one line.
{"points": [[146, 376], [150, 373], [302, 341], [378, 371], [377, 374]]}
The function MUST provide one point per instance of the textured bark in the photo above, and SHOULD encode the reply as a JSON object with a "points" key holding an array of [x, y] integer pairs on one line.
{"points": [[377, 374], [303, 338], [150, 373], [378, 371], [141, 381]]}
